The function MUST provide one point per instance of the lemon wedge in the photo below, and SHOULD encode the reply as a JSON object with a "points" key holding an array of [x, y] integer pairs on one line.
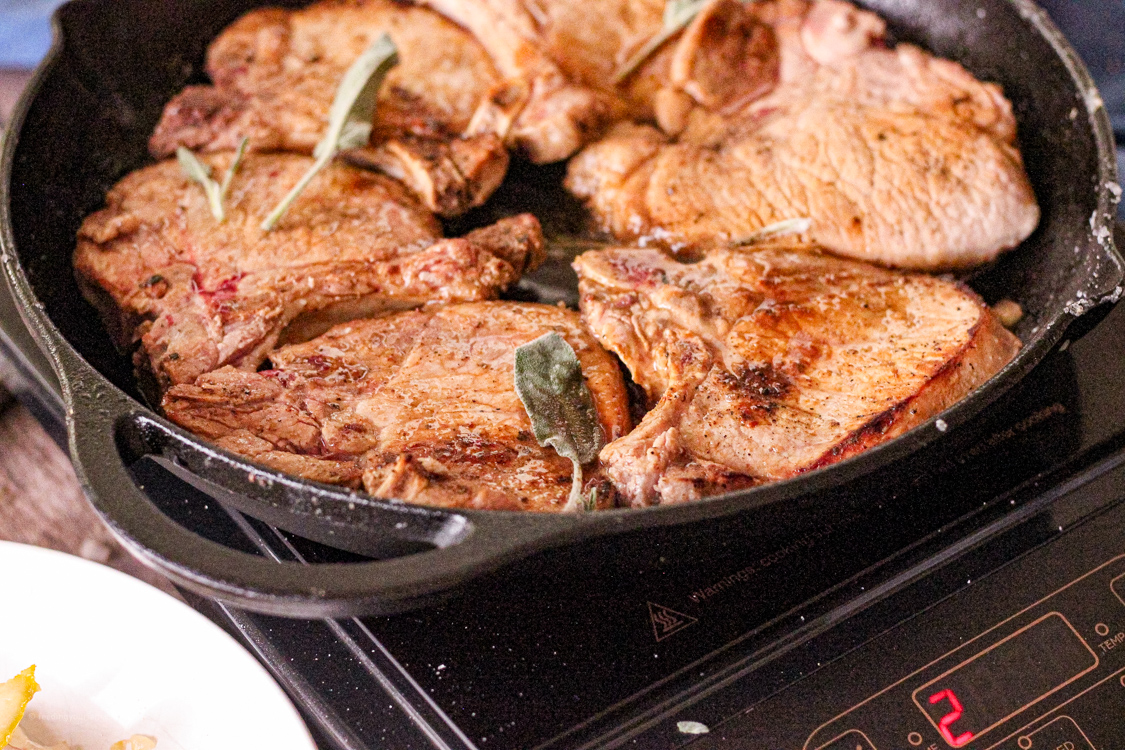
{"points": [[14, 695], [136, 742]]}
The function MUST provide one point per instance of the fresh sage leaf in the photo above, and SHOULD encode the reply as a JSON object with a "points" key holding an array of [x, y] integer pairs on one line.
{"points": [[588, 502], [549, 383], [780, 229], [228, 178], [349, 119], [196, 170], [677, 15]]}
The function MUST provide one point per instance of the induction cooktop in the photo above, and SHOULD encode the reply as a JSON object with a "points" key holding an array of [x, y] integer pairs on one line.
{"points": [[981, 605]]}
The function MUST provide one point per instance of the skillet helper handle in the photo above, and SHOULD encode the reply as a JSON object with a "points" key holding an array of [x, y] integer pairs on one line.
{"points": [[101, 445]]}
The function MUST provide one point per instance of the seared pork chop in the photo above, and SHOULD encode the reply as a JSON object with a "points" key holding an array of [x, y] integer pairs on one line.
{"points": [[728, 55], [419, 406], [558, 59], [768, 362], [563, 58], [199, 294], [276, 71], [896, 156]]}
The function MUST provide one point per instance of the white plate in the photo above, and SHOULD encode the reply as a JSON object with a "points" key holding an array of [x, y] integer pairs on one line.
{"points": [[115, 657]]}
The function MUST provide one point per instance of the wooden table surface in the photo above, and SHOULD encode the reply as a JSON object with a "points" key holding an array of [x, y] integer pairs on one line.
{"points": [[40, 500]]}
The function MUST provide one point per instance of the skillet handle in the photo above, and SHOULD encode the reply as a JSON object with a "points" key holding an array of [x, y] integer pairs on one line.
{"points": [[107, 431]]}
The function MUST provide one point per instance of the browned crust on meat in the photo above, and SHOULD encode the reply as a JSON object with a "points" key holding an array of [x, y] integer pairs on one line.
{"points": [[448, 176], [518, 240], [896, 156], [770, 362], [275, 73], [989, 348], [197, 294], [418, 406], [203, 117]]}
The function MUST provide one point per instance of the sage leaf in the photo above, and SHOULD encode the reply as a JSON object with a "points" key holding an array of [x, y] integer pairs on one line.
{"points": [[549, 382], [779, 229], [349, 119], [677, 15], [228, 178], [196, 170]]}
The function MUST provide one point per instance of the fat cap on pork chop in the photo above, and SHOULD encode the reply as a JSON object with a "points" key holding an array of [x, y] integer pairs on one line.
{"points": [[275, 73], [763, 363], [418, 406], [896, 156], [198, 294]]}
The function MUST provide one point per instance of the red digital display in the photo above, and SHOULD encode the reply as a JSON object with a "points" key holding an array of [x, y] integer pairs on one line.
{"points": [[990, 687], [954, 715]]}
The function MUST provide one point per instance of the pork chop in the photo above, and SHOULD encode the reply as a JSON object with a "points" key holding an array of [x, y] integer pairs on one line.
{"points": [[275, 73], [198, 294], [560, 60], [418, 406], [538, 109], [896, 156], [763, 363]]}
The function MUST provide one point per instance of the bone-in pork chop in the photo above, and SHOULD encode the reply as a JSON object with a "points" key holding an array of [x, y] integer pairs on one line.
{"points": [[557, 58], [199, 294], [765, 363], [562, 60], [276, 71], [419, 406], [896, 156]]}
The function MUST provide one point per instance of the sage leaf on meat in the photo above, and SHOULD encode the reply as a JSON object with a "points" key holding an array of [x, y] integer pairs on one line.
{"points": [[779, 229], [194, 169], [228, 178], [677, 15], [549, 383], [349, 119]]}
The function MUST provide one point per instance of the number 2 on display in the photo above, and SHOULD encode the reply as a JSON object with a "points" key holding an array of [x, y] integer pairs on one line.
{"points": [[949, 718]]}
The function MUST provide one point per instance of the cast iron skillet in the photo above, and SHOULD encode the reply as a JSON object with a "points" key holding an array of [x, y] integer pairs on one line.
{"points": [[84, 123]]}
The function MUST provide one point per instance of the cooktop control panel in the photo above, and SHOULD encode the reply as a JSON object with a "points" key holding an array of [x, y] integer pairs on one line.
{"points": [[974, 671], [990, 691]]}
